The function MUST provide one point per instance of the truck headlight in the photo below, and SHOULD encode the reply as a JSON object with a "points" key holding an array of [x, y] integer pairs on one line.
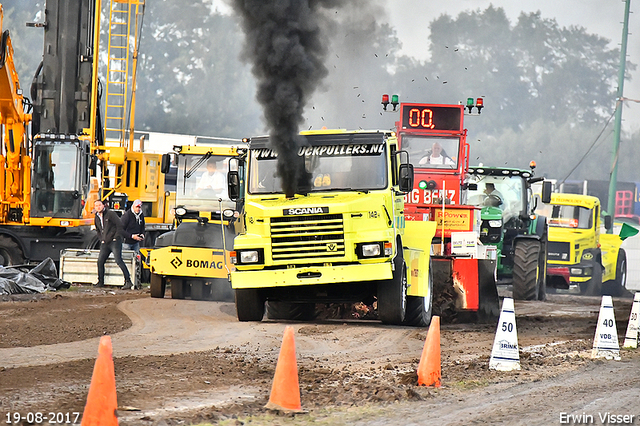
{"points": [[249, 256], [180, 211], [370, 250], [576, 271], [379, 249], [495, 223]]}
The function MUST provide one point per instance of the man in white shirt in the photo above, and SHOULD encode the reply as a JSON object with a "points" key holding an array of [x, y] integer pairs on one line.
{"points": [[212, 183], [436, 157]]}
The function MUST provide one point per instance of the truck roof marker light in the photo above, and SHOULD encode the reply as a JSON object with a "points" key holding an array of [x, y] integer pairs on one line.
{"points": [[385, 102], [479, 104], [532, 164], [395, 101]]}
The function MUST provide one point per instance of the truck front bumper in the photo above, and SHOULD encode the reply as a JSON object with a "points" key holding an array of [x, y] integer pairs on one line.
{"points": [[572, 274], [311, 275]]}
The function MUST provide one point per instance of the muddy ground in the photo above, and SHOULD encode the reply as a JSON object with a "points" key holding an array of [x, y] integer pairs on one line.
{"points": [[184, 362]]}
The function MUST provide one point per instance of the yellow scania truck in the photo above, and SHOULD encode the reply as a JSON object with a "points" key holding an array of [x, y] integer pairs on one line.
{"points": [[342, 239], [579, 255]]}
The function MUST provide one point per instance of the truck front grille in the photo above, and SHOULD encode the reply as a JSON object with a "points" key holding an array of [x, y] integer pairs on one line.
{"points": [[313, 236], [558, 251]]}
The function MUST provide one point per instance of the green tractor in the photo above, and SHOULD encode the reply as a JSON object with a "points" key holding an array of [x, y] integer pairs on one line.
{"points": [[509, 223]]}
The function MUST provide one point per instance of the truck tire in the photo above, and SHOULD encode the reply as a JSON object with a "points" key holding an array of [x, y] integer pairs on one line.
{"points": [[419, 309], [249, 304], [392, 294], [617, 286], [527, 276], [593, 287], [291, 311], [542, 267], [157, 286], [177, 288], [10, 252]]}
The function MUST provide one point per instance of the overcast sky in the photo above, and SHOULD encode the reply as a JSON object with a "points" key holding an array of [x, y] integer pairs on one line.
{"points": [[411, 18]]}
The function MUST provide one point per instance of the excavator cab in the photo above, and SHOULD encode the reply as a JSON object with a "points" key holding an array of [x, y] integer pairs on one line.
{"points": [[59, 183]]}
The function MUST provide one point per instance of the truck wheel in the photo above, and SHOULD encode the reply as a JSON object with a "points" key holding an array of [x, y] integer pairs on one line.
{"points": [[593, 287], [249, 304], [419, 308], [158, 286], [10, 252], [291, 311], [392, 294], [527, 275], [616, 287], [542, 267], [177, 288]]}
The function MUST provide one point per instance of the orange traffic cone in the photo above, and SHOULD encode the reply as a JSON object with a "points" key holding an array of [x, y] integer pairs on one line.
{"points": [[285, 390], [102, 401], [429, 368]]}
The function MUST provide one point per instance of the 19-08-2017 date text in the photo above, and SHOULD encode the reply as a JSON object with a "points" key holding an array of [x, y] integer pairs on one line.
{"points": [[36, 417]]}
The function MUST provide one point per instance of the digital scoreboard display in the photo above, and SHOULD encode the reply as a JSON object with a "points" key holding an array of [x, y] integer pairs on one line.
{"points": [[432, 117]]}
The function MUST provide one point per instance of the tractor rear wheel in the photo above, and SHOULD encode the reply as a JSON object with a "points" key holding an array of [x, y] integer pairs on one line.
{"points": [[527, 273]]}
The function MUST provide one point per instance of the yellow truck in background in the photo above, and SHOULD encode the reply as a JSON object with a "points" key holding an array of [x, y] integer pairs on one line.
{"points": [[343, 239], [579, 254]]}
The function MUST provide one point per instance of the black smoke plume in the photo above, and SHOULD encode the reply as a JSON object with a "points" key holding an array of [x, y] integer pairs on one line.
{"points": [[286, 47]]}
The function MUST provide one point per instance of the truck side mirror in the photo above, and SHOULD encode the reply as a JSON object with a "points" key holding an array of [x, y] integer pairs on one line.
{"points": [[233, 184], [546, 192], [406, 178], [608, 222], [165, 164]]}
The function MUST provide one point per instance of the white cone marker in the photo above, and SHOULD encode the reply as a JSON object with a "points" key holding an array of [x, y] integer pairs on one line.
{"points": [[631, 336], [605, 342], [505, 355]]}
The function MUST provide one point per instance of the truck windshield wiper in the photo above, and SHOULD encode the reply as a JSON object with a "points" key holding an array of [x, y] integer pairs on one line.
{"points": [[193, 168]]}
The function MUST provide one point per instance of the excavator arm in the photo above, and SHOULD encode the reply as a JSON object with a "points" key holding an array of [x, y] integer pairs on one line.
{"points": [[15, 165]]}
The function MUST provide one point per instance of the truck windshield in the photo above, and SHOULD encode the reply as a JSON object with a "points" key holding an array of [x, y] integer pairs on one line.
{"points": [[56, 179], [427, 152], [561, 216], [357, 167], [504, 192], [201, 182]]}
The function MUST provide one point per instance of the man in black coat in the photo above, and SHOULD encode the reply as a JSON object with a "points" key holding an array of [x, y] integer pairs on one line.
{"points": [[110, 232], [133, 225]]}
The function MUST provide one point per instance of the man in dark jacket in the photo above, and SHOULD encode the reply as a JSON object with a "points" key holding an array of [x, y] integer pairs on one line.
{"points": [[110, 232], [133, 225]]}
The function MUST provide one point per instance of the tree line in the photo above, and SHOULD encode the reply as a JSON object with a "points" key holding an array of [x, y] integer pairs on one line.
{"points": [[549, 91]]}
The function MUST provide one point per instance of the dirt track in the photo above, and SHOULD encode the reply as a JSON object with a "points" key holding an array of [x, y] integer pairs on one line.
{"points": [[181, 361]]}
